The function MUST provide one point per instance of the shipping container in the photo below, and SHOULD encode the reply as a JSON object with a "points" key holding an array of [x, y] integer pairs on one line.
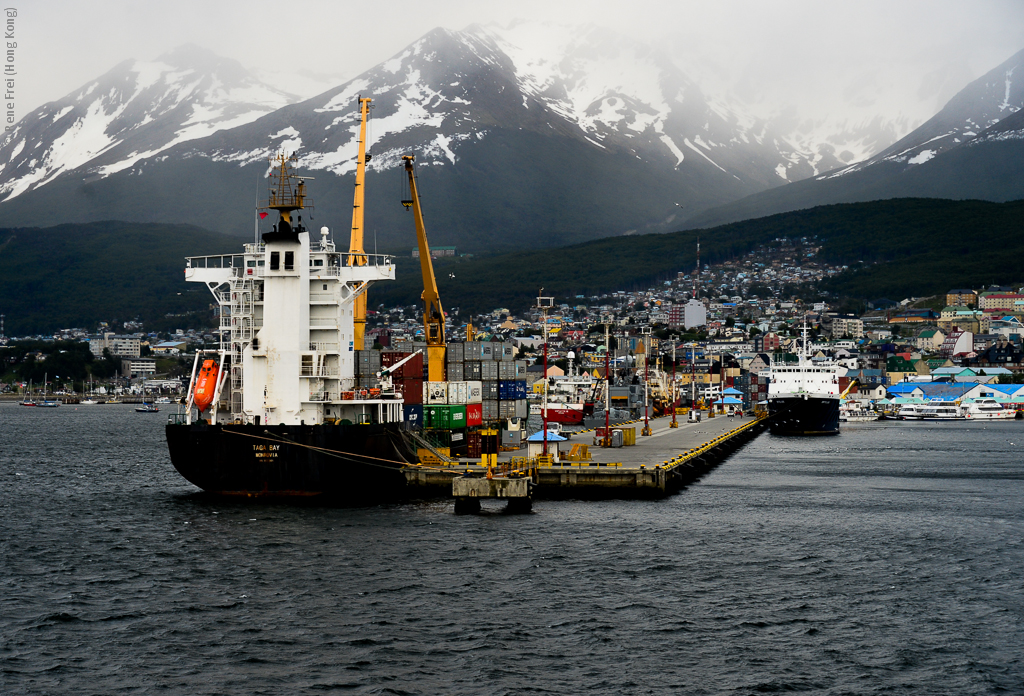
{"points": [[455, 373], [522, 408], [487, 351], [413, 415], [488, 369], [471, 350], [458, 392], [506, 370], [473, 446], [459, 442], [457, 416], [521, 369], [475, 392], [403, 345], [435, 393], [506, 409], [490, 389], [507, 390], [471, 370], [410, 389], [455, 353], [490, 410], [390, 357], [414, 368], [507, 352], [474, 414]]}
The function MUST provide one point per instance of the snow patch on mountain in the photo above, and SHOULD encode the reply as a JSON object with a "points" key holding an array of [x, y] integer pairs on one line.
{"points": [[133, 112]]}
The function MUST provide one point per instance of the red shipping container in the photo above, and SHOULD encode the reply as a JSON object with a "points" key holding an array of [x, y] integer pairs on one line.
{"points": [[390, 357], [474, 414], [410, 389], [414, 368]]}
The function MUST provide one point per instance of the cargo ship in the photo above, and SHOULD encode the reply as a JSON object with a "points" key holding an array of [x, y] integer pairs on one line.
{"points": [[803, 399], [278, 409], [291, 405]]}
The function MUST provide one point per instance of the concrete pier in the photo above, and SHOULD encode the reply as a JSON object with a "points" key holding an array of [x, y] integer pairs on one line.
{"points": [[657, 465]]}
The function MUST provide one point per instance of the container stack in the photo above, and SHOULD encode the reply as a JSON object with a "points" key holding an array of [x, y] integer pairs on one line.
{"points": [[408, 381], [502, 379]]}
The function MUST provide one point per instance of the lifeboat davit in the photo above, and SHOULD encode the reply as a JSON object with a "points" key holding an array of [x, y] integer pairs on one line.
{"points": [[206, 385]]}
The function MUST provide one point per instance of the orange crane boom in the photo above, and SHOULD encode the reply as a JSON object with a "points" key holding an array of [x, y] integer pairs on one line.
{"points": [[433, 315], [357, 256]]}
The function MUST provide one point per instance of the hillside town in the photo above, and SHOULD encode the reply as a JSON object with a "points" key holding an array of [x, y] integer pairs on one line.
{"points": [[720, 327]]}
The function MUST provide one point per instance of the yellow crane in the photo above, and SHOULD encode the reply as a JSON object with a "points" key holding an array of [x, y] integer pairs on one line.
{"points": [[433, 315], [357, 256]]}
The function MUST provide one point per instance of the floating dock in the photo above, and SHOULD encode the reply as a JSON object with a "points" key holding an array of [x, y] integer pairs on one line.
{"points": [[657, 465]]}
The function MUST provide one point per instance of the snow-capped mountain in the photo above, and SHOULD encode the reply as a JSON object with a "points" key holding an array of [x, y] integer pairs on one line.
{"points": [[589, 83], [972, 148], [524, 135], [980, 105], [133, 112]]}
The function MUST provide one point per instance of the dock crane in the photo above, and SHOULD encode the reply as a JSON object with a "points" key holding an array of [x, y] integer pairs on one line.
{"points": [[357, 256], [433, 315]]}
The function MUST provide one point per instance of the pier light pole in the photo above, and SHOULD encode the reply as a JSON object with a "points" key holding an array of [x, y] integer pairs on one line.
{"points": [[675, 423], [544, 304], [607, 441], [646, 331]]}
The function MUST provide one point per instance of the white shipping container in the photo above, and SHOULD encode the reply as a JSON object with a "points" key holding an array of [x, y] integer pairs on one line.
{"points": [[457, 392], [475, 393], [522, 408], [435, 392]]}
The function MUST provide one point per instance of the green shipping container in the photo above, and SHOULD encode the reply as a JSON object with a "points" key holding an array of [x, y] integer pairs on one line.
{"points": [[444, 417]]}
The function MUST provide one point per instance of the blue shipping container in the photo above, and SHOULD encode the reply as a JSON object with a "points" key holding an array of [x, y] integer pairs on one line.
{"points": [[506, 390], [413, 414]]}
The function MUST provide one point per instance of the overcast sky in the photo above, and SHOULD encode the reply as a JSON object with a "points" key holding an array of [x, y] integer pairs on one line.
{"points": [[798, 52]]}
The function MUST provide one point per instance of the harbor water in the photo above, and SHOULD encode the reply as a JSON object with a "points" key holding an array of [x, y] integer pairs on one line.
{"points": [[887, 559]]}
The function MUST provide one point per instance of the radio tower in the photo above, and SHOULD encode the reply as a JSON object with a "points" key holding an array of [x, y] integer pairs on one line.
{"points": [[697, 274]]}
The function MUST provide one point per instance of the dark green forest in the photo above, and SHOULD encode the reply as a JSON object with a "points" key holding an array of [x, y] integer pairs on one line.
{"points": [[77, 275], [895, 248]]}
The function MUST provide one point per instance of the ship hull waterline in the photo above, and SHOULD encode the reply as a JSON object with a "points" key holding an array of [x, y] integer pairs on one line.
{"points": [[352, 463], [797, 415]]}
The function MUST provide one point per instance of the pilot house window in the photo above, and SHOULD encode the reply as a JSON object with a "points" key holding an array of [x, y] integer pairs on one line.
{"points": [[289, 260], [275, 260]]}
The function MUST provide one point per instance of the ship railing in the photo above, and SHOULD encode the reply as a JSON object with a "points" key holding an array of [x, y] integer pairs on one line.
{"points": [[365, 260], [219, 261], [324, 396], [323, 347], [321, 372], [321, 296]]}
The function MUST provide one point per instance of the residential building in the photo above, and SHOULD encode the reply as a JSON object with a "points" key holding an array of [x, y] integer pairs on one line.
{"points": [[119, 346], [964, 297]]}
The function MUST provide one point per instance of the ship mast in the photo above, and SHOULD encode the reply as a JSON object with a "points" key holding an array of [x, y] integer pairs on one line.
{"points": [[285, 199], [357, 256]]}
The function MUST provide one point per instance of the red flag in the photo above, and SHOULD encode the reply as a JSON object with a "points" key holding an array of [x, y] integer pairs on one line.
{"points": [[262, 215]]}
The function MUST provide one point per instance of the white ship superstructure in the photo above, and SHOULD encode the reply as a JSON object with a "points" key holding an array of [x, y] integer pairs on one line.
{"points": [[287, 327], [803, 399]]}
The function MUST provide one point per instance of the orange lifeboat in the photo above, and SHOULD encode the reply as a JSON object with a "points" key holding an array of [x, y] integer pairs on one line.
{"points": [[206, 385]]}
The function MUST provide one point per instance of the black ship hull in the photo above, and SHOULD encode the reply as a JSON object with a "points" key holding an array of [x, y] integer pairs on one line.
{"points": [[356, 463], [796, 415]]}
